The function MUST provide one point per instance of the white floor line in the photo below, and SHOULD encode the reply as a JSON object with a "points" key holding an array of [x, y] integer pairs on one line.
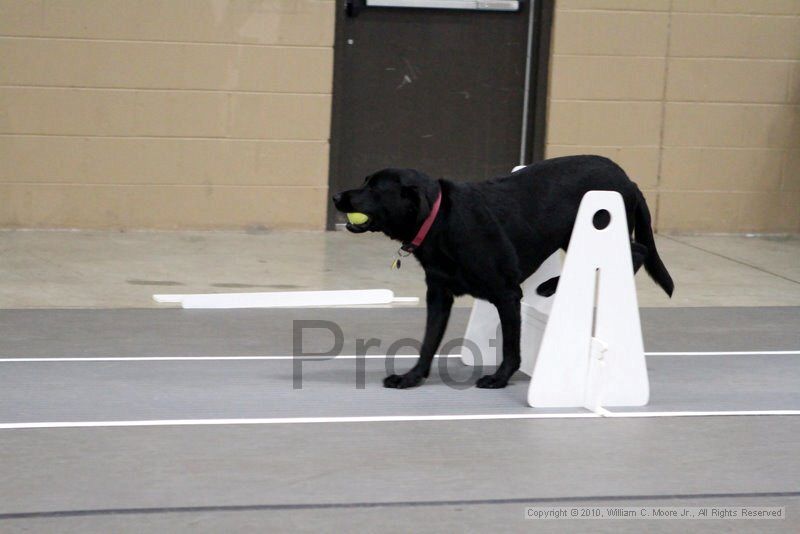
{"points": [[610, 414], [605, 412], [294, 420], [600, 414], [727, 353], [349, 357], [209, 358]]}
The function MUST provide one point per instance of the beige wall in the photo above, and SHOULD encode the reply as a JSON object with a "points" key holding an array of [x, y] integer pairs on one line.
{"points": [[165, 114], [698, 99], [216, 113]]}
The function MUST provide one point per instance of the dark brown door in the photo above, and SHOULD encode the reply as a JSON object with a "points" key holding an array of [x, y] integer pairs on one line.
{"points": [[439, 90]]}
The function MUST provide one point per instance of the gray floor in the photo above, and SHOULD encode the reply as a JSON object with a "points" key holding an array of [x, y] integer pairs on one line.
{"points": [[175, 332], [349, 473], [93, 269], [455, 517], [111, 391], [380, 476]]}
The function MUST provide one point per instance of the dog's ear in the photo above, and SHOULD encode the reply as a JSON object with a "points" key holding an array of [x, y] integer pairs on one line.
{"points": [[414, 193], [409, 191]]}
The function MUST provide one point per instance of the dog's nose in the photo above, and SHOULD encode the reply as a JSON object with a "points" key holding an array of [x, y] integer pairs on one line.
{"points": [[337, 197]]}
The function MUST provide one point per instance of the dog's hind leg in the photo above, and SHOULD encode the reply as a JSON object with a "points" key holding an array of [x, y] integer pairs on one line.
{"points": [[548, 287], [440, 302], [508, 307], [638, 254]]}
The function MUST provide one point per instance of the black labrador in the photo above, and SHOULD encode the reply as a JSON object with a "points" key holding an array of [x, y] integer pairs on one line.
{"points": [[484, 239]]}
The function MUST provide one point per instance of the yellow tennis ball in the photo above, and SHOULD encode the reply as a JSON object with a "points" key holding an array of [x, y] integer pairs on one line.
{"points": [[357, 218]]}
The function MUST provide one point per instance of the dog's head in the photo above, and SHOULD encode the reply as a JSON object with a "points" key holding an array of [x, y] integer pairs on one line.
{"points": [[395, 201]]}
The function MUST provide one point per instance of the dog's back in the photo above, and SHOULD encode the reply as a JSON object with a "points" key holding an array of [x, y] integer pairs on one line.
{"points": [[537, 207], [551, 191]]}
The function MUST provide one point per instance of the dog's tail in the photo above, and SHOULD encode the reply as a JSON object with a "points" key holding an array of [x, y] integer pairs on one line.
{"points": [[643, 232]]}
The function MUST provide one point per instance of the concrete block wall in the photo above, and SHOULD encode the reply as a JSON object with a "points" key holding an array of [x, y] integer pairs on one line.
{"points": [[173, 114], [216, 113], [698, 99]]}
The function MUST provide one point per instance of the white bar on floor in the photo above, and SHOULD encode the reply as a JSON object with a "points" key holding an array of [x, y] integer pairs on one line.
{"points": [[168, 298], [281, 299], [405, 300]]}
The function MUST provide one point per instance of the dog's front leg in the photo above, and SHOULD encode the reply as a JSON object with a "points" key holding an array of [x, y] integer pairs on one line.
{"points": [[508, 307], [440, 302]]}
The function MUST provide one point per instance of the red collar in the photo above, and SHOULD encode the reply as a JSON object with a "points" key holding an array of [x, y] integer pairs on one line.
{"points": [[426, 226]]}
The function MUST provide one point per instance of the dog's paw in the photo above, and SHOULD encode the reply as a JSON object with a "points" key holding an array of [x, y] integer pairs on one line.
{"points": [[408, 380], [491, 382], [548, 288]]}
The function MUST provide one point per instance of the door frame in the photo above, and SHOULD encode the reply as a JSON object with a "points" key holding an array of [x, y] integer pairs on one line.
{"points": [[536, 126]]}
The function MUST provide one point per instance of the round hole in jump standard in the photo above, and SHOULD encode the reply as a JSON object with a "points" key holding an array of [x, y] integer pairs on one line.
{"points": [[601, 219]]}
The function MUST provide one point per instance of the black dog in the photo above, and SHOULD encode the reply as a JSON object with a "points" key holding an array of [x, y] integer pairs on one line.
{"points": [[488, 237]]}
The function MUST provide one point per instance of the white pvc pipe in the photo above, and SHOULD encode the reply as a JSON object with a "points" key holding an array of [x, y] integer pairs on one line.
{"points": [[286, 299]]}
